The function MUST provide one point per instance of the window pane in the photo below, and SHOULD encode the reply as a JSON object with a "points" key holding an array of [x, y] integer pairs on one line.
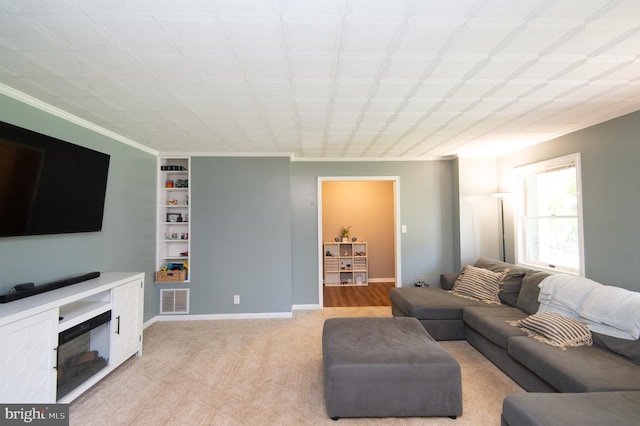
{"points": [[551, 194], [553, 241]]}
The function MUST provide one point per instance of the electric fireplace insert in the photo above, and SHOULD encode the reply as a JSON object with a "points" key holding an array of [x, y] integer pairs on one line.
{"points": [[81, 352]]}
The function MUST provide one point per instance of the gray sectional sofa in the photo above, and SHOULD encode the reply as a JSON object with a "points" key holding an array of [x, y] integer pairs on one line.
{"points": [[610, 364]]}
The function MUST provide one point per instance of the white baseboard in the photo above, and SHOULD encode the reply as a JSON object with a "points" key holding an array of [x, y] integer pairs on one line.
{"points": [[305, 307], [208, 317], [382, 280]]}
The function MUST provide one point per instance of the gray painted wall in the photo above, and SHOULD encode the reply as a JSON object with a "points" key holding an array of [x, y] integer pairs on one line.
{"points": [[610, 153], [240, 235], [425, 207], [127, 240]]}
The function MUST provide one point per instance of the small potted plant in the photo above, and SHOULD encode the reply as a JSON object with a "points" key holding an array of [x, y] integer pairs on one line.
{"points": [[344, 233]]}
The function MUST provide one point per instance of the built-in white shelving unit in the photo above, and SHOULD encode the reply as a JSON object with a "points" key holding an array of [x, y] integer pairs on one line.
{"points": [[174, 219]]}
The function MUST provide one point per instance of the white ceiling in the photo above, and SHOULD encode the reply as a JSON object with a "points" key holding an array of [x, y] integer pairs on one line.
{"points": [[328, 78]]}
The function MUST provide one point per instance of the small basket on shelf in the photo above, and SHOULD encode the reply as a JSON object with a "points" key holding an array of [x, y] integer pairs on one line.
{"points": [[171, 276]]}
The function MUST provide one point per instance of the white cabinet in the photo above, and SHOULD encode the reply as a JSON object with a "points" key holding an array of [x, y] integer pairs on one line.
{"points": [[33, 349], [28, 359], [126, 321], [346, 263], [174, 214]]}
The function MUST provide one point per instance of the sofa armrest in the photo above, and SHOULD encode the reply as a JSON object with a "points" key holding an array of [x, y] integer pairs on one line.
{"points": [[447, 280]]}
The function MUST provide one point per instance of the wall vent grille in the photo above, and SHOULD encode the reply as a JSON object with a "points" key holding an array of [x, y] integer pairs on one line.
{"points": [[174, 301]]}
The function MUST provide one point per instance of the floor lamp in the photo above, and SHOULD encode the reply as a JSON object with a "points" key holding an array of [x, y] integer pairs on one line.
{"points": [[501, 196]]}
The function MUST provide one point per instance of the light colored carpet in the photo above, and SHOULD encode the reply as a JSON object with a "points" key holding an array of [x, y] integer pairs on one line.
{"points": [[256, 371]]}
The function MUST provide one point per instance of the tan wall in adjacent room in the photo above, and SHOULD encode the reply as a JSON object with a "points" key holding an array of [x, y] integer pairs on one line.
{"points": [[368, 207]]}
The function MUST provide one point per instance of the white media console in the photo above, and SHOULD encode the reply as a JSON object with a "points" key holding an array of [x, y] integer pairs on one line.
{"points": [[99, 320]]}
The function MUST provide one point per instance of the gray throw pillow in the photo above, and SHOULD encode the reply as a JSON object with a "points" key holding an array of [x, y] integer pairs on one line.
{"points": [[627, 348], [528, 297], [510, 286], [447, 280]]}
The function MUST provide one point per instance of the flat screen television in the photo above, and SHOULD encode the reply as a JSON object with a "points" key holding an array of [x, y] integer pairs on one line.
{"points": [[49, 186]]}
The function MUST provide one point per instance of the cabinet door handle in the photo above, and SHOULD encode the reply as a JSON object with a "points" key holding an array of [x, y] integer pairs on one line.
{"points": [[118, 324]]}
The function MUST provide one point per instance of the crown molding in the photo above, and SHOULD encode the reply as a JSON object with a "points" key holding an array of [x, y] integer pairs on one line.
{"points": [[74, 119]]}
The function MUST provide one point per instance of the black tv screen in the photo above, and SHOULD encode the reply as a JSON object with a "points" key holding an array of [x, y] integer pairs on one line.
{"points": [[49, 186]]}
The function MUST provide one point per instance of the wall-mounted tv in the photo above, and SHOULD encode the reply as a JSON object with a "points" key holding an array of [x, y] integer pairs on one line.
{"points": [[49, 186]]}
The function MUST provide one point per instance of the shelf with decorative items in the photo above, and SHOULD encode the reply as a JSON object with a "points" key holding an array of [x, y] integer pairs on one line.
{"points": [[346, 263], [174, 226]]}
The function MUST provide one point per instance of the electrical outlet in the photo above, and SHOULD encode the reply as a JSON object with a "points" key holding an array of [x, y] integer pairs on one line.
{"points": [[236, 299]]}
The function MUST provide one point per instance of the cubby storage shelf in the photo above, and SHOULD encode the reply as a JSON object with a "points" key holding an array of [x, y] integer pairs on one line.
{"points": [[346, 263]]}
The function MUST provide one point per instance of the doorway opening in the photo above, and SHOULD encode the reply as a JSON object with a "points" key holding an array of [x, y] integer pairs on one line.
{"points": [[370, 208]]}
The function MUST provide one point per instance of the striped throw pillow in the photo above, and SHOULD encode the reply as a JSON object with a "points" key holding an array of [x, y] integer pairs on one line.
{"points": [[555, 330], [479, 284]]}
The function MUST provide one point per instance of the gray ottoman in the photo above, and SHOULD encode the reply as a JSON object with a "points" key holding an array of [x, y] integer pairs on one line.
{"points": [[387, 367]]}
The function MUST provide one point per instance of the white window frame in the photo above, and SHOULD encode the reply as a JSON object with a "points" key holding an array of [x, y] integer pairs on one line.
{"points": [[520, 243]]}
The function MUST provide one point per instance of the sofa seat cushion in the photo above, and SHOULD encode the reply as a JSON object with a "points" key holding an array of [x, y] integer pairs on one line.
{"points": [[585, 409], [431, 303], [579, 369], [493, 324]]}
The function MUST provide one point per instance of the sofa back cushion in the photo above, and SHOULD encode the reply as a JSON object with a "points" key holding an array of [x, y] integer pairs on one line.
{"points": [[510, 286], [627, 348], [528, 296]]}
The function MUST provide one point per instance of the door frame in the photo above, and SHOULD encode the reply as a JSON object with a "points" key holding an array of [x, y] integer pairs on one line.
{"points": [[396, 218]]}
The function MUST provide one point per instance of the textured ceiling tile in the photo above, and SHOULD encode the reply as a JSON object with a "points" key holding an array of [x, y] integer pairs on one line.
{"points": [[420, 105], [116, 64], [254, 34], [353, 89], [369, 36], [25, 65], [210, 66], [17, 32], [344, 118], [596, 36], [457, 66], [387, 106], [360, 67], [163, 64], [312, 88], [277, 105], [305, 106], [75, 32], [428, 36], [312, 66], [135, 32], [68, 64], [261, 66], [118, 7], [409, 66], [271, 88], [231, 88], [312, 35], [437, 88], [246, 7], [312, 8], [541, 35], [483, 35], [202, 33], [395, 88], [190, 8], [348, 105]]}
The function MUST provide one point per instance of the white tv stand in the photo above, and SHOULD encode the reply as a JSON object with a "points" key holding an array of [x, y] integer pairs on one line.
{"points": [[29, 330]]}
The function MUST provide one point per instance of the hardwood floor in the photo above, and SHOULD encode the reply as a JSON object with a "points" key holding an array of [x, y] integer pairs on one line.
{"points": [[346, 296]]}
